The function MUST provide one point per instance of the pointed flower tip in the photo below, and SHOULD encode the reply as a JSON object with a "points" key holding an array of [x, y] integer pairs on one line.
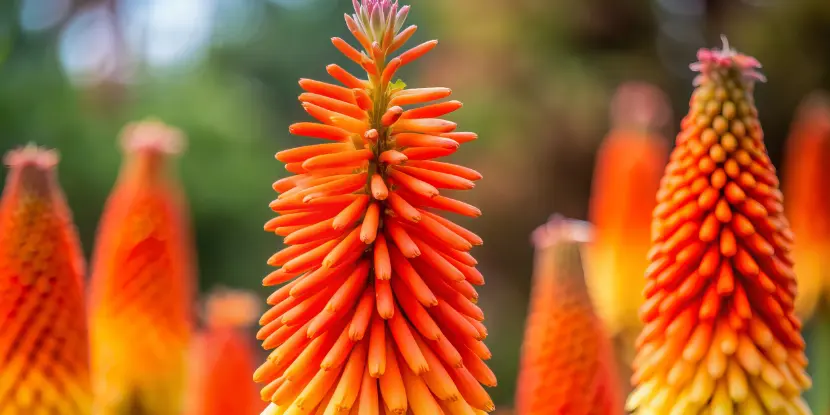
{"points": [[559, 228], [32, 155], [154, 136], [231, 308], [377, 20], [32, 169], [374, 6], [725, 58], [641, 105], [815, 107]]}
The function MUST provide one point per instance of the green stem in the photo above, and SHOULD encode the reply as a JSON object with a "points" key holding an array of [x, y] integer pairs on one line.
{"points": [[818, 349]]}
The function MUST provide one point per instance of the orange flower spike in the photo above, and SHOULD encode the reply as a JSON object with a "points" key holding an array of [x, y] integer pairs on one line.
{"points": [[567, 365], [720, 335], [627, 174], [223, 358], [381, 286], [44, 358], [807, 205], [143, 280]]}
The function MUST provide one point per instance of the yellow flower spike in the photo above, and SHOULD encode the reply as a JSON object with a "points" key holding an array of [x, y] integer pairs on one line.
{"points": [[143, 281], [378, 284], [44, 351], [567, 365], [807, 204], [720, 290]]}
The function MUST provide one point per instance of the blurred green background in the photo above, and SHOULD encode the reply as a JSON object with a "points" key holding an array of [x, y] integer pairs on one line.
{"points": [[536, 77]]}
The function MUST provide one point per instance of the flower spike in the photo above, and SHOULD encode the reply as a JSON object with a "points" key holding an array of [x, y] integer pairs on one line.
{"points": [[807, 204], [629, 164], [223, 357], [378, 312], [44, 358], [720, 334], [567, 364], [143, 280]]}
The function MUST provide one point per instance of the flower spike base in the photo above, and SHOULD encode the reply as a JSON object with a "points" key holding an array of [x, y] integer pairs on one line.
{"points": [[44, 351], [379, 312], [720, 334]]}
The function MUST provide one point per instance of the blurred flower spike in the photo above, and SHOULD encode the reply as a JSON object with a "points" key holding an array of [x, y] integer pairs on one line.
{"points": [[143, 280], [806, 174], [378, 314], [627, 172], [567, 364], [720, 335], [223, 357], [44, 348]]}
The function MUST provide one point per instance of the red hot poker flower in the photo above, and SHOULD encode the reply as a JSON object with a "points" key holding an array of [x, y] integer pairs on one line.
{"points": [[567, 365], [224, 358], [142, 281], [627, 174], [44, 351], [720, 335], [379, 315], [807, 202]]}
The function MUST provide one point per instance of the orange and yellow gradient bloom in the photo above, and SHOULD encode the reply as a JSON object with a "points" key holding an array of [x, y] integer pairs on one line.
{"points": [[806, 174], [629, 164], [143, 282], [44, 347], [379, 315], [720, 335], [567, 365], [223, 357]]}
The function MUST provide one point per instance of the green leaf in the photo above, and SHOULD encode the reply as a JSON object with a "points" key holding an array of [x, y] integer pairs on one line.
{"points": [[396, 86]]}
